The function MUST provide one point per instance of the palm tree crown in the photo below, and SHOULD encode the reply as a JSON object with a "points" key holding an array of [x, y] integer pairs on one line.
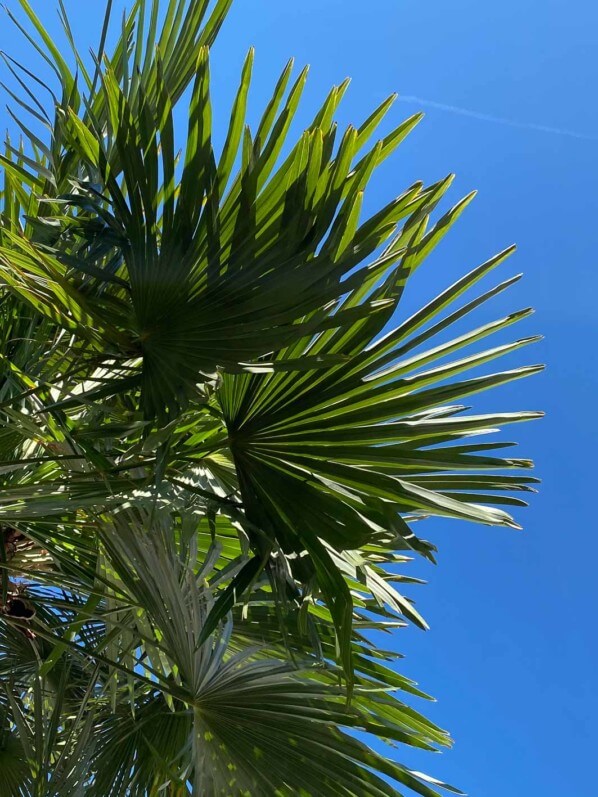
{"points": [[217, 429]]}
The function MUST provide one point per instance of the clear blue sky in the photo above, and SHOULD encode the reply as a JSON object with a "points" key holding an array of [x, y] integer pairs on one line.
{"points": [[512, 650]]}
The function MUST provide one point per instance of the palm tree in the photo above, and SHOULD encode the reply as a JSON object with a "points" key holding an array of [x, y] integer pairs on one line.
{"points": [[217, 431]]}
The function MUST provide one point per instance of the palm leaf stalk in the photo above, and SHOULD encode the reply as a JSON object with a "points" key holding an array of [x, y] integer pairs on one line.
{"points": [[218, 430]]}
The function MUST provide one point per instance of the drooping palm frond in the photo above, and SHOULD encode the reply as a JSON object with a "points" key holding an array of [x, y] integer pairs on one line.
{"points": [[217, 432]]}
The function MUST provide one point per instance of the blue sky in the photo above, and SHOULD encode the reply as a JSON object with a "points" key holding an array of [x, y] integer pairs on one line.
{"points": [[511, 654]]}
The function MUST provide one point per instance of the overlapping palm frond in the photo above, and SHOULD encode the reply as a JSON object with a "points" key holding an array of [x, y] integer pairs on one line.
{"points": [[158, 260], [217, 714], [217, 433], [47, 742]]}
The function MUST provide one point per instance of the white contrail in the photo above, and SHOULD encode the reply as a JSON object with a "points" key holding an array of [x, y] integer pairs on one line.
{"points": [[486, 117]]}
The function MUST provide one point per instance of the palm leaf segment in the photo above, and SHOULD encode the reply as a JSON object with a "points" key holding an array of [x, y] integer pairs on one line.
{"points": [[215, 435]]}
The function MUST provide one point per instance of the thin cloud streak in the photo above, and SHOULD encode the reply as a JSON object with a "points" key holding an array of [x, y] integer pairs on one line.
{"points": [[486, 117]]}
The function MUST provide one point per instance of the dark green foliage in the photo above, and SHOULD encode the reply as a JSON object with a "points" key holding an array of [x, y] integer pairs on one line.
{"points": [[217, 431]]}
